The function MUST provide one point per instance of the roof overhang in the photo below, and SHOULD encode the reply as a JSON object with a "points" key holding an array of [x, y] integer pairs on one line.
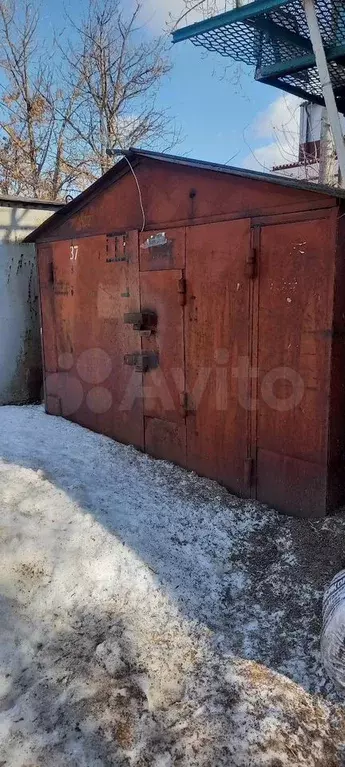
{"points": [[136, 156], [7, 200]]}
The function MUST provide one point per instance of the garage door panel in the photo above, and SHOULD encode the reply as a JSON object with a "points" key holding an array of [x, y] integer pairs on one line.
{"points": [[295, 310], [64, 392], [217, 342], [163, 385], [96, 282], [166, 440], [162, 250], [290, 484], [117, 295]]}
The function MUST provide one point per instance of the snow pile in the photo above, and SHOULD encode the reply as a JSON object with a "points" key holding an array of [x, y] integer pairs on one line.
{"points": [[150, 618]]}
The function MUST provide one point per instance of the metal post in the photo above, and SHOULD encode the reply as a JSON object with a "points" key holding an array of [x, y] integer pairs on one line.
{"points": [[326, 84], [328, 157]]}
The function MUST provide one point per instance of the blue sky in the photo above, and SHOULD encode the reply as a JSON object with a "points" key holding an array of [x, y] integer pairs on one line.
{"points": [[222, 116]]}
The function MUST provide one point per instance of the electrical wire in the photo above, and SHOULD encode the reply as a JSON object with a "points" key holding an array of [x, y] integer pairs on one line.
{"points": [[139, 192]]}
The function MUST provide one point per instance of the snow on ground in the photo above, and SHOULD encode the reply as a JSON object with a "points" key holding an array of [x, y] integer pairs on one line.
{"points": [[148, 617]]}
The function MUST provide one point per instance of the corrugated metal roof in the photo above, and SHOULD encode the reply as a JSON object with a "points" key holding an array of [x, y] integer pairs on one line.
{"points": [[136, 155], [298, 164]]}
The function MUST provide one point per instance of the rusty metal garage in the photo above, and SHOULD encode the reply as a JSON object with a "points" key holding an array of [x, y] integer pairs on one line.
{"points": [[197, 311]]}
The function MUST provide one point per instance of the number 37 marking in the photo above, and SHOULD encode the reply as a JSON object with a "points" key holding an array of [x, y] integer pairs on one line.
{"points": [[74, 252]]}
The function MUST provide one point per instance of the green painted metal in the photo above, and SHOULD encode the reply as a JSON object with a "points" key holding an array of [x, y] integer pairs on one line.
{"points": [[276, 32], [297, 65], [256, 8], [300, 93]]}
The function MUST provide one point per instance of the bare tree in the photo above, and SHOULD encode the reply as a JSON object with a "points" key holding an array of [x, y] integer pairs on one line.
{"points": [[116, 74], [37, 159], [60, 112], [195, 10]]}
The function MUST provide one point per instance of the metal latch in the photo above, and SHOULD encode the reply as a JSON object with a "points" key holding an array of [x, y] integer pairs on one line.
{"points": [[51, 274], [141, 320], [187, 404], [142, 361], [251, 260], [182, 291], [251, 264]]}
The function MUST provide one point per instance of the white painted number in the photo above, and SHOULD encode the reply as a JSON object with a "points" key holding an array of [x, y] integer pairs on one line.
{"points": [[74, 253]]}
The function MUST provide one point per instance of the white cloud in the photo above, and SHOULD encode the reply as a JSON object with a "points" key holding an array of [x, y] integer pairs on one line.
{"points": [[281, 114], [279, 125], [161, 14], [164, 11]]}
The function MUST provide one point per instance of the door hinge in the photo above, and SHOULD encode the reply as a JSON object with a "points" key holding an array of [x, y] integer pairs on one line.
{"points": [[142, 361], [187, 404], [251, 263], [182, 291], [249, 466], [51, 275]]}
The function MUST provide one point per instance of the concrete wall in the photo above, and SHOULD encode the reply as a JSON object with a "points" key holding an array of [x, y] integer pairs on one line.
{"points": [[17, 223], [20, 347]]}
